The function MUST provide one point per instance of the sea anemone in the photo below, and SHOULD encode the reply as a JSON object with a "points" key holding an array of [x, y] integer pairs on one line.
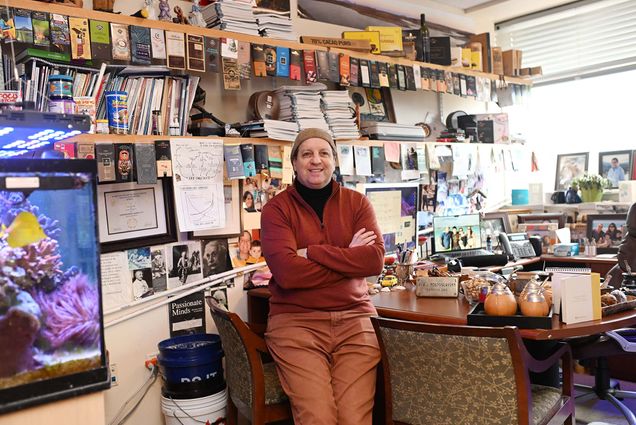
{"points": [[71, 313]]}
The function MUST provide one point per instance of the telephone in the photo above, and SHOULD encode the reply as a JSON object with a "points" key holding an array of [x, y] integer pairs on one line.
{"points": [[518, 245]]}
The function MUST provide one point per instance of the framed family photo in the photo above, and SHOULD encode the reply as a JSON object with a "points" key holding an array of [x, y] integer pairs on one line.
{"points": [[615, 166], [570, 166], [607, 231]]}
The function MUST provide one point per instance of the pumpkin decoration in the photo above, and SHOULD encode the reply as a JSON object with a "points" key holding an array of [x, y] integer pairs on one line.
{"points": [[500, 301]]}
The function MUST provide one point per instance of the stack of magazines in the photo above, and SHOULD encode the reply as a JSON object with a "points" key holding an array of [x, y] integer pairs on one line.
{"points": [[274, 24], [281, 130], [231, 15], [301, 104], [380, 130], [338, 111]]}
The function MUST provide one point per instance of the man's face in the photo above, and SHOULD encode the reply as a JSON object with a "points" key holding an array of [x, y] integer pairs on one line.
{"points": [[211, 254], [245, 241], [614, 163], [315, 163]]}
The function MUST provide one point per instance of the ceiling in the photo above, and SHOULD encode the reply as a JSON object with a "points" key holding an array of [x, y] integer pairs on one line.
{"points": [[469, 6]]}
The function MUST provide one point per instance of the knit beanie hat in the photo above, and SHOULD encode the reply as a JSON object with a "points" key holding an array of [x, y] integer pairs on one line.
{"points": [[310, 133]]}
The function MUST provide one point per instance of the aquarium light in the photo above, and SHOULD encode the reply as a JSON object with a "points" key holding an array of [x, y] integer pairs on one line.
{"points": [[24, 132]]}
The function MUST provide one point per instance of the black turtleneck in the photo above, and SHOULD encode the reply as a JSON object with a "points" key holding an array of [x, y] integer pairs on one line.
{"points": [[316, 198]]}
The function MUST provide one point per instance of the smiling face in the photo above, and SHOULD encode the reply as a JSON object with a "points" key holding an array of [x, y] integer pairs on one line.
{"points": [[315, 163]]}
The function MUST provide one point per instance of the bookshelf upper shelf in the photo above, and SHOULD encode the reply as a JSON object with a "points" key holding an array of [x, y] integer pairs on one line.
{"points": [[190, 29], [131, 138]]}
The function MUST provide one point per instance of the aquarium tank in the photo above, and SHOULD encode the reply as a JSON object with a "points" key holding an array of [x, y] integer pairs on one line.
{"points": [[51, 318]]}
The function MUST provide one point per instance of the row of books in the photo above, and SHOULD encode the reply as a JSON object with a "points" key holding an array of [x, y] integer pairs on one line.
{"points": [[156, 104], [34, 76]]}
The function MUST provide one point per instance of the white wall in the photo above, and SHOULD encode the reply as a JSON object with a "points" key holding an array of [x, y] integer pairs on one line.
{"points": [[129, 343]]}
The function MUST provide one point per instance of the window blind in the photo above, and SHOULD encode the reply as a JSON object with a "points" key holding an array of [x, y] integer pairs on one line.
{"points": [[580, 39]]}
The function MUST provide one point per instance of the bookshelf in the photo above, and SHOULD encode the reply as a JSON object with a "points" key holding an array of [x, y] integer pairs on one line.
{"points": [[189, 29]]}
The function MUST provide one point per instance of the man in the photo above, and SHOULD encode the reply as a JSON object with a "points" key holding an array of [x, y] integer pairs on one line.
{"points": [[239, 259], [214, 257], [320, 241], [616, 173]]}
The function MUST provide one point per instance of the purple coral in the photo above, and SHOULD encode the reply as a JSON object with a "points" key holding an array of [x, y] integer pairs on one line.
{"points": [[71, 313]]}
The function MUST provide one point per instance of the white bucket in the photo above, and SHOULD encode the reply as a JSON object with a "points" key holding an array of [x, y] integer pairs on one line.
{"points": [[194, 411]]}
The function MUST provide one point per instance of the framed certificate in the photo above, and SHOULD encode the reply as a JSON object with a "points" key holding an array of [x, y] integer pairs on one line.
{"points": [[133, 215]]}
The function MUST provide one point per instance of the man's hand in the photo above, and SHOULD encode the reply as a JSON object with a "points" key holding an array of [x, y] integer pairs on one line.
{"points": [[362, 238], [302, 252]]}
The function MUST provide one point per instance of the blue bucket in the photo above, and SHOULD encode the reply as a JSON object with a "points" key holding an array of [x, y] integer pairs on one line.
{"points": [[191, 365]]}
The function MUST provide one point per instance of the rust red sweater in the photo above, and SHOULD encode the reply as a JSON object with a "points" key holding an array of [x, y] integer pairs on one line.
{"points": [[332, 277]]}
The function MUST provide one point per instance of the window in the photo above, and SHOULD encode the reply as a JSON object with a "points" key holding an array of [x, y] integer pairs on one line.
{"points": [[580, 39]]}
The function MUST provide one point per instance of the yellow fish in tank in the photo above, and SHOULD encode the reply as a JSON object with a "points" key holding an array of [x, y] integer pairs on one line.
{"points": [[24, 230]]}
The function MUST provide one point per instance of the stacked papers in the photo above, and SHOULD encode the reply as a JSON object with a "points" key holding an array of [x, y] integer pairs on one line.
{"points": [[231, 15], [273, 24], [301, 104], [338, 110], [390, 131], [281, 130]]}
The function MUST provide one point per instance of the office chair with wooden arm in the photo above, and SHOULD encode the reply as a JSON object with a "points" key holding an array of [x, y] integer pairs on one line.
{"points": [[458, 375], [253, 386]]}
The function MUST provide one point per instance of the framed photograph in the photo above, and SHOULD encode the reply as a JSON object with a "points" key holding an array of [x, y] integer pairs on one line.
{"points": [[570, 166], [615, 166], [132, 215], [558, 218], [546, 231], [607, 231], [494, 223], [232, 213]]}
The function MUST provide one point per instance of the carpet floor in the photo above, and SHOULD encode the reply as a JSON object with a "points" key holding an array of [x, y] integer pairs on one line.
{"points": [[601, 412]]}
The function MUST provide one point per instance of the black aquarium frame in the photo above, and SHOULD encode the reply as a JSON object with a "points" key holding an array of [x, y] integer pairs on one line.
{"points": [[47, 390]]}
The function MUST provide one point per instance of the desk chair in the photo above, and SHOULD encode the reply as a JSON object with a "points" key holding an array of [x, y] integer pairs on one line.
{"points": [[254, 389], [436, 374], [594, 351]]}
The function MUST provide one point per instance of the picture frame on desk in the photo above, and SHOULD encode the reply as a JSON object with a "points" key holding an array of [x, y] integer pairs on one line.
{"points": [[494, 223], [133, 215], [607, 231], [570, 166], [545, 231], [616, 165], [558, 218], [232, 214]]}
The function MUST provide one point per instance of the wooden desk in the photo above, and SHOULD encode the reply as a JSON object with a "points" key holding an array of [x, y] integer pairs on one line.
{"points": [[450, 311], [405, 305]]}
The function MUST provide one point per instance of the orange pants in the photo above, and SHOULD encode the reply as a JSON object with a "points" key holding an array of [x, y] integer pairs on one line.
{"points": [[326, 362]]}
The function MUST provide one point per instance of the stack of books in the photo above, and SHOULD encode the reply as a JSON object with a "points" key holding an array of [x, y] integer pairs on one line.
{"points": [[302, 105], [338, 110], [231, 15], [281, 130], [274, 24]]}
